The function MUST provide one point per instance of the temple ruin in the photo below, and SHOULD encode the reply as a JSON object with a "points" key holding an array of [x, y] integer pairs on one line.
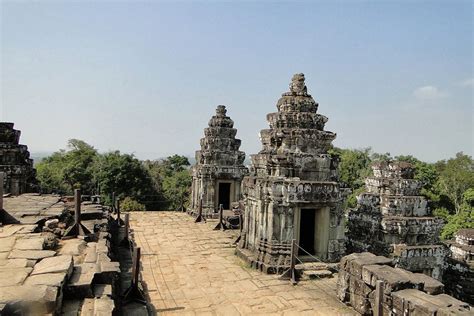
{"points": [[393, 219], [459, 274], [15, 162], [219, 168], [292, 191]]}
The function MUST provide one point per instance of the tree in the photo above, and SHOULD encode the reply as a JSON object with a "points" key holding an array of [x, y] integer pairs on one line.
{"points": [[172, 178], [123, 174], [455, 178], [77, 172], [176, 189], [129, 205], [66, 170], [49, 172]]}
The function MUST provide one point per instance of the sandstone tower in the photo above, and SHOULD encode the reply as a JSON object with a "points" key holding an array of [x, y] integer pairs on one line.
{"points": [[219, 168], [393, 219], [292, 191], [15, 162]]}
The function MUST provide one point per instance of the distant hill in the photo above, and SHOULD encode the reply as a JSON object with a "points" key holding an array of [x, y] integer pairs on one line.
{"points": [[38, 156]]}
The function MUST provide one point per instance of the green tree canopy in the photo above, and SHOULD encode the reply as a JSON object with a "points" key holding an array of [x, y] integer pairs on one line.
{"points": [[456, 176], [123, 174], [67, 170]]}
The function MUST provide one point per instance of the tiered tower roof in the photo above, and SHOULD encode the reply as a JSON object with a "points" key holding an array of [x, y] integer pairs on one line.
{"points": [[219, 145], [296, 143]]}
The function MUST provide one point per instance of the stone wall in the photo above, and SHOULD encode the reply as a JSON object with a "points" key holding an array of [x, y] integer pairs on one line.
{"points": [[404, 292], [15, 162], [393, 219], [292, 177]]}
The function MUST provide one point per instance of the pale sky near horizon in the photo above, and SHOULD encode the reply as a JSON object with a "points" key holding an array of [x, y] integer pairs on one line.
{"points": [[145, 77]]}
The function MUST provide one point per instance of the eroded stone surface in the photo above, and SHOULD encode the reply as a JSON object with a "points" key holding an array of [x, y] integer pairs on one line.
{"points": [[54, 265], [15, 161], [393, 219], [360, 273]]}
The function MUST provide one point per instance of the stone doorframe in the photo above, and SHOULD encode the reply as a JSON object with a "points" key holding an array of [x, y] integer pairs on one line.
{"points": [[321, 229], [232, 191]]}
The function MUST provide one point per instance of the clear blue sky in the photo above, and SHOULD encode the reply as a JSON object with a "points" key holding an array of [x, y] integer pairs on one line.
{"points": [[145, 77]]}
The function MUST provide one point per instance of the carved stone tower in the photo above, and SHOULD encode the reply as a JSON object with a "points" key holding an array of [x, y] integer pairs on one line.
{"points": [[292, 191], [219, 168], [15, 162], [393, 219]]}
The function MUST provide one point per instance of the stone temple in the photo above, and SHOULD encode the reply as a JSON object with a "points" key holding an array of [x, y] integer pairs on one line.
{"points": [[219, 168], [15, 162], [393, 219], [292, 191]]}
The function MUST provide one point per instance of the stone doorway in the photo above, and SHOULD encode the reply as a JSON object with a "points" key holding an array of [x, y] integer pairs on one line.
{"points": [[307, 231], [224, 195], [313, 231]]}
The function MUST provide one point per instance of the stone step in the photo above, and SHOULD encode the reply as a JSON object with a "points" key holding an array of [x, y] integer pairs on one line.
{"points": [[311, 266], [103, 306], [316, 274]]}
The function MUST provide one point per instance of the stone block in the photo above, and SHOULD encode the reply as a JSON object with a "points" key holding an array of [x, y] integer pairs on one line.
{"points": [[420, 303], [54, 265], [6, 244], [393, 279], [13, 276], [103, 306], [51, 279], [73, 247], [357, 264], [430, 285], [35, 243], [31, 254]]}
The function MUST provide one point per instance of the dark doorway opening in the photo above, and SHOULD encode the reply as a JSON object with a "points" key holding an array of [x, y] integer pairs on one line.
{"points": [[224, 195], [307, 231]]}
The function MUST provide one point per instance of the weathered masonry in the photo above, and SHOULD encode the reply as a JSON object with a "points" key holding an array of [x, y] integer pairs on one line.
{"points": [[293, 190], [393, 219], [459, 274], [219, 168], [15, 162]]}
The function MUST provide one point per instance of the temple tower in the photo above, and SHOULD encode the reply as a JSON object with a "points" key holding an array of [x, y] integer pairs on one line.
{"points": [[15, 162], [393, 219], [292, 191], [219, 168]]}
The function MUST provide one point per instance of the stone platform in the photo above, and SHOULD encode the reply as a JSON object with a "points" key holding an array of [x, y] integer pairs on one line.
{"points": [[190, 269]]}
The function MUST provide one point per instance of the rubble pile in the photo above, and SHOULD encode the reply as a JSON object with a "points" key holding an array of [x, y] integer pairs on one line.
{"points": [[43, 272]]}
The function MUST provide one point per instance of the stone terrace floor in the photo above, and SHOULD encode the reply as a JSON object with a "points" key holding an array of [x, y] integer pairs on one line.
{"points": [[189, 269]]}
